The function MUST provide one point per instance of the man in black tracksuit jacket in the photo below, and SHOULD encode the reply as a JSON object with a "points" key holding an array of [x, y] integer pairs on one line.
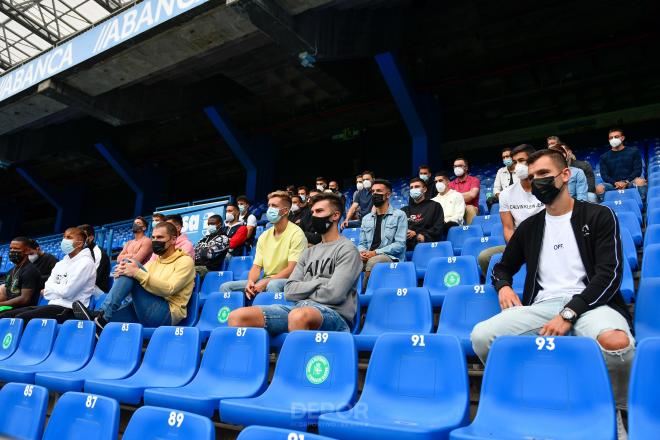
{"points": [[426, 220], [574, 263]]}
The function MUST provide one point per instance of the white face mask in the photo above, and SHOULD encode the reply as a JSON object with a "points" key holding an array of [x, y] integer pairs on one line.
{"points": [[229, 217], [424, 177], [366, 184], [320, 188], [459, 171], [441, 187], [33, 257], [615, 142], [521, 171], [294, 208], [359, 186]]}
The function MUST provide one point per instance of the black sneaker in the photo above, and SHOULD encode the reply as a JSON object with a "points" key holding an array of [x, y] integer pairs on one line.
{"points": [[81, 312], [100, 322]]}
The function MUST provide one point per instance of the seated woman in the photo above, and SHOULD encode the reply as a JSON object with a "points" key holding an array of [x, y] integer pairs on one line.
{"points": [[138, 249], [159, 290], [72, 279]]}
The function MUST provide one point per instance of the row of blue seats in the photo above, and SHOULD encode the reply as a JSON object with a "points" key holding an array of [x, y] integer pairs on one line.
{"points": [[416, 387]]}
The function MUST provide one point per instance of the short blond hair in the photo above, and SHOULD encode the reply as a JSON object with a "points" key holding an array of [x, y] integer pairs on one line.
{"points": [[283, 195]]}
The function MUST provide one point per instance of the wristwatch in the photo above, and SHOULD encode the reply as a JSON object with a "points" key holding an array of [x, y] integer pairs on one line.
{"points": [[568, 315]]}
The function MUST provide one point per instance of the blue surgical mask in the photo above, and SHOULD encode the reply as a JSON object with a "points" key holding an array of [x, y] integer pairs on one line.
{"points": [[303, 198], [241, 208], [424, 177], [212, 229], [507, 162], [416, 193], [67, 246], [273, 215]]}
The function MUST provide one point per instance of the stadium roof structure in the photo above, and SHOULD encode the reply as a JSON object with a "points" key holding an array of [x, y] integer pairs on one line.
{"points": [[30, 27]]}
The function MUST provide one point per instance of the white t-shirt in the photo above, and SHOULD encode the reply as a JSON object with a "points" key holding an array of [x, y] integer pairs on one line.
{"points": [[520, 203], [251, 220], [453, 206], [561, 272]]}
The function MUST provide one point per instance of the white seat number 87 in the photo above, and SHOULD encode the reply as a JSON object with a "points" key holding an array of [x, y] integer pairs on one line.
{"points": [[545, 343], [175, 419]]}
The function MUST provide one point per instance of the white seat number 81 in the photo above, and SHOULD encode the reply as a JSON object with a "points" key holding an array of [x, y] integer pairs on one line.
{"points": [[175, 419]]}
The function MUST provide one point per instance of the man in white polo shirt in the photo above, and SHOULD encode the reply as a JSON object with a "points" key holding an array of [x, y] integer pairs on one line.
{"points": [[517, 203]]}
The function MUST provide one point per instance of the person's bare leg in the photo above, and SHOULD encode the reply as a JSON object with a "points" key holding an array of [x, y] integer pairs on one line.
{"points": [[246, 317], [305, 318]]}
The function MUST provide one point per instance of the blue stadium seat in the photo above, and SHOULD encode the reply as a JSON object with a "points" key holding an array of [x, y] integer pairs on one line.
{"points": [[416, 388], [98, 302], [486, 222], [458, 234], [11, 330], [23, 411], [629, 220], [497, 230], [653, 192], [623, 194], [495, 209], [443, 274], [35, 344], [216, 310], [551, 397], [262, 432], [629, 249], [474, 246], [628, 283], [644, 393], [190, 320], [647, 309], [149, 422], [652, 204], [390, 275], [171, 360], [463, 308], [316, 372], [235, 364], [71, 351], [651, 235], [81, 416], [653, 217], [270, 298], [518, 278], [212, 283], [240, 266], [651, 261], [117, 355], [625, 205], [352, 234], [425, 251], [392, 310]]}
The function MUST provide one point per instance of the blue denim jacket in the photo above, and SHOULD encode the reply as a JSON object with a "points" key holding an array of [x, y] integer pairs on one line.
{"points": [[577, 184], [392, 233]]}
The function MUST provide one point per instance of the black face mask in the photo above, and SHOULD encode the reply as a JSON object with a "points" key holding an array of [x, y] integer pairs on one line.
{"points": [[545, 190], [15, 256], [137, 228], [321, 224], [378, 199], [159, 247]]}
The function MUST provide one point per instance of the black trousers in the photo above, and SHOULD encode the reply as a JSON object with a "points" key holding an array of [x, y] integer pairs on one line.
{"points": [[58, 313]]}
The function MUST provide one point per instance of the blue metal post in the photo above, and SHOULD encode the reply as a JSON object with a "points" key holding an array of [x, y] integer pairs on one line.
{"points": [[47, 194], [256, 155], [419, 120]]}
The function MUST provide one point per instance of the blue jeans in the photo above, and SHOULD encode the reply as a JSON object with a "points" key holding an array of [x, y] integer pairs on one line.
{"points": [[142, 307], [276, 317]]}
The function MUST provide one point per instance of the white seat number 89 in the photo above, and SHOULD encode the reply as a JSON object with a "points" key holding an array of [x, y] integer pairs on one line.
{"points": [[175, 419], [321, 337]]}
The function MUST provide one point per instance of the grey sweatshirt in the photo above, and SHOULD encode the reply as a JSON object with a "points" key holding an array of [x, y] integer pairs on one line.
{"points": [[326, 274]]}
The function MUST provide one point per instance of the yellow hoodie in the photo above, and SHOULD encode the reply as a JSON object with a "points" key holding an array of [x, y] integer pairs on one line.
{"points": [[173, 278]]}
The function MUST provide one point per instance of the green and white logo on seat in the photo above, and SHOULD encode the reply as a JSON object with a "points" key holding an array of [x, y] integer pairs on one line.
{"points": [[223, 314], [317, 369], [452, 279], [6, 342]]}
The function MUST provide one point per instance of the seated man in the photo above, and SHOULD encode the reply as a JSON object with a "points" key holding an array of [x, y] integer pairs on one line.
{"points": [[383, 231], [324, 294], [157, 218], [621, 167], [578, 187], [468, 186], [23, 282], [101, 260], [138, 249], [235, 230], [301, 215], [210, 251], [43, 261], [159, 291], [574, 271], [182, 240], [504, 178], [588, 171], [248, 219], [278, 251], [427, 176], [452, 202], [426, 221], [362, 202], [72, 279]]}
